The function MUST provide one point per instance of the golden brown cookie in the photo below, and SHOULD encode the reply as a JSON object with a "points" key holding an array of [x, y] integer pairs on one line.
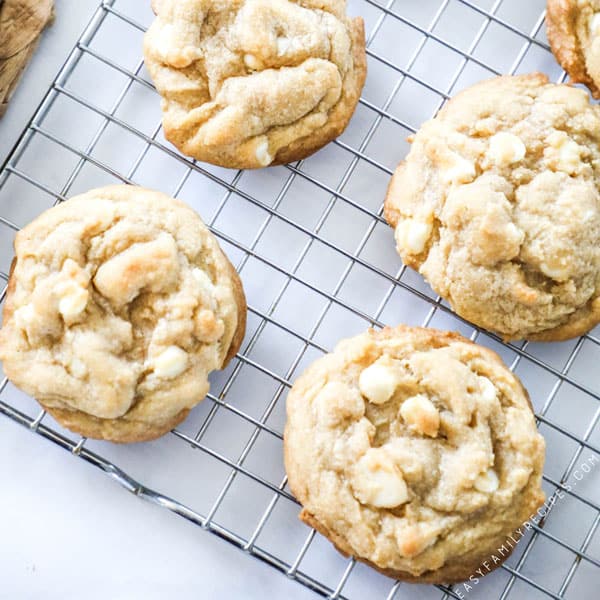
{"points": [[253, 83], [120, 303], [573, 28], [497, 206], [414, 450], [21, 24]]}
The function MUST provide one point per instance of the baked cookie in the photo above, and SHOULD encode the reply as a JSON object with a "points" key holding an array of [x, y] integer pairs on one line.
{"points": [[573, 28], [120, 303], [497, 205], [415, 451], [253, 83]]}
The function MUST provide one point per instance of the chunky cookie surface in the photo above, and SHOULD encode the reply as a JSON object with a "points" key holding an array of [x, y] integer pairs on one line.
{"points": [[120, 303], [414, 450], [252, 83], [497, 205], [574, 34]]}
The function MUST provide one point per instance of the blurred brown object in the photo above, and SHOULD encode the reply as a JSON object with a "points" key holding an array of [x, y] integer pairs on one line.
{"points": [[21, 22]]}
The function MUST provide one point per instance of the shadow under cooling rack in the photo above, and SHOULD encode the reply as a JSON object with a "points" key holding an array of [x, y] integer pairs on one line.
{"points": [[308, 239]]}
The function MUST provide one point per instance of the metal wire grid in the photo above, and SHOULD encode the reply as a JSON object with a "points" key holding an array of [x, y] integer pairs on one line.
{"points": [[291, 298]]}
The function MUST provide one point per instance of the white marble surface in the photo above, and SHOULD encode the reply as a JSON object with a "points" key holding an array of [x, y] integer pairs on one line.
{"points": [[66, 531]]}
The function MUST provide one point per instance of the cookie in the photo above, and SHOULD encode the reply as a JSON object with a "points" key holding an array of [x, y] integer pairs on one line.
{"points": [[497, 206], [253, 83], [573, 28], [415, 451], [21, 25], [120, 303]]}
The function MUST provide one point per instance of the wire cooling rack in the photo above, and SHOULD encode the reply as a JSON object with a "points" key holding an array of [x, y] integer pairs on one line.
{"points": [[318, 264]]}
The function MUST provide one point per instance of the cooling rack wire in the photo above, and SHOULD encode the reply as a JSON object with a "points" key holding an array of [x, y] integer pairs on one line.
{"points": [[318, 264]]}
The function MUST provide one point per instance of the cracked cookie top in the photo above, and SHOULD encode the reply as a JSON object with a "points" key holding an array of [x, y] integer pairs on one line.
{"points": [[497, 205], [252, 83], [120, 304], [414, 450]]}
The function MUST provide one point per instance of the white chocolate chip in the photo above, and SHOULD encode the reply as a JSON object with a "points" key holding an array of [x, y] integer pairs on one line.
{"points": [[78, 368], [556, 272], [24, 316], [207, 327], [459, 170], [488, 389], [514, 233], [262, 153], [71, 289], [283, 45], [377, 481], [506, 148], [207, 286], [252, 62], [563, 153], [569, 157], [487, 482], [72, 271], [72, 299], [421, 415], [412, 235], [336, 402], [378, 382], [413, 539], [595, 25], [170, 363], [204, 280]]}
